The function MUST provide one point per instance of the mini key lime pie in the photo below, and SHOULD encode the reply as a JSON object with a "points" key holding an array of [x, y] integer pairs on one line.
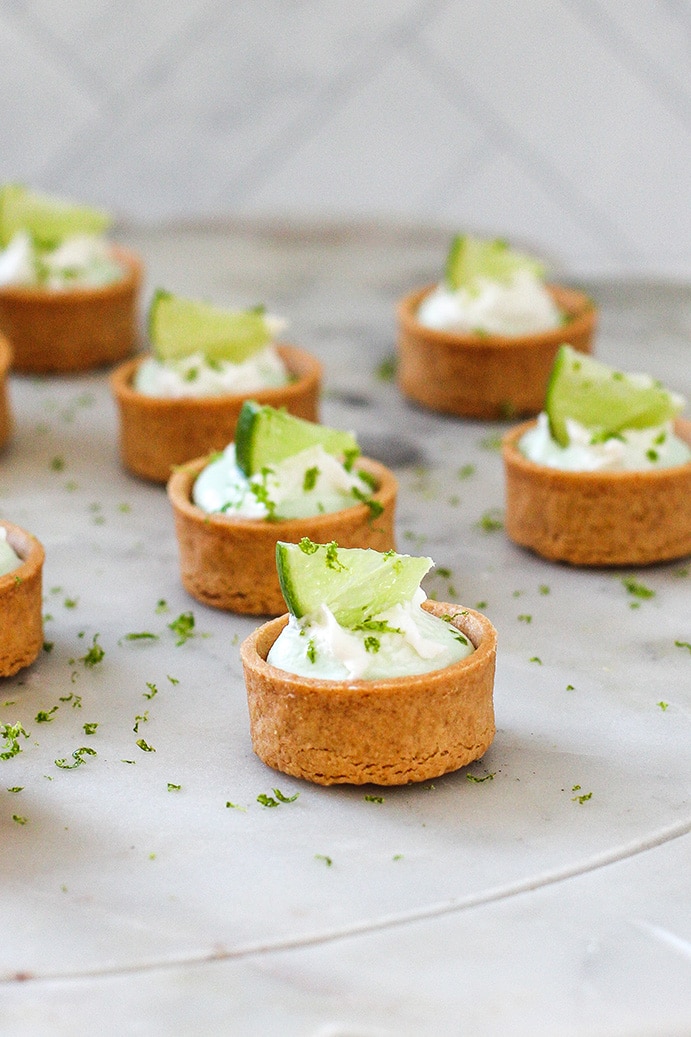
{"points": [[482, 342], [365, 680], [603, 477], [21, 617], [5, 406], [184, 399], [283, 478], [68, 297]]}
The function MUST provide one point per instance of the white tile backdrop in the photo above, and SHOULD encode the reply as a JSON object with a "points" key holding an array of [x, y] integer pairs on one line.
{"points": [[562, 123]]}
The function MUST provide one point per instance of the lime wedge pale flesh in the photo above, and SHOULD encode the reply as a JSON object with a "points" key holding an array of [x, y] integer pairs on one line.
{"points": [[46, 217], [354, 583], [603, 399], [266, 435], [471, 258], [179, 326]]}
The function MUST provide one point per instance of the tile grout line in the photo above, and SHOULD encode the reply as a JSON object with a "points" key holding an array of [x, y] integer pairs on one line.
{"points": [[351, 78], [551, 181], [64, 58], [121, 100], [623, 48]]}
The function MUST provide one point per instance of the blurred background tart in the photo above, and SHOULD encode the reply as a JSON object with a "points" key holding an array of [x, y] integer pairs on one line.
{"points": [[5, 405], [603, 476], [68, 297], [482, 342], [183, 399]]}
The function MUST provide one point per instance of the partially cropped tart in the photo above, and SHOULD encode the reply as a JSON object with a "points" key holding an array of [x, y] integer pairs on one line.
{"points": [[5, 405], [21, 617], [68, 296]]}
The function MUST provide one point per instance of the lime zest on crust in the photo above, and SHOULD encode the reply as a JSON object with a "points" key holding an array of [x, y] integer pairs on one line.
{"points": [[48, 218], [355, 583], [178, 327], [470, 258], [267, 435], [603, 399]]}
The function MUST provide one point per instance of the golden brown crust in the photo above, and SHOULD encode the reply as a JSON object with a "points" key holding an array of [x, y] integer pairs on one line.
{"points": [[597, 518], [230, 563], [6, 422], [388, 732], [21, 615], [54, 332], [156, 434], [489, 376]]}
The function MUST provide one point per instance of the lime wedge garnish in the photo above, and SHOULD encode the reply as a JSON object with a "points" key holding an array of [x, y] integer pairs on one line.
{"points": [[470, 258], [354, 583], [603, 399], [266, 436], [179, 327], [47, 218]]}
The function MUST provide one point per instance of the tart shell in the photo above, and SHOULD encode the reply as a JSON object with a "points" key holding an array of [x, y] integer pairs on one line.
{"points": [[230, 563], [387, 732], [21, 614], [157, 433], [75, 329], [5, 408], [489, 376], [597, 518]]}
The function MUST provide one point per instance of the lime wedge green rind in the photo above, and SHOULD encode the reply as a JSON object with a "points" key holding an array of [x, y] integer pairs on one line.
{"points": [[47, 218], [159, 296], [356, 584], [470, 258], [603, 399], [179, 327], [265, 435]]}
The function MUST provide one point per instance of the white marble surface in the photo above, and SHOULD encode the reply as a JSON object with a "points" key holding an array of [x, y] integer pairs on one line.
{"points": [[496, 906]]}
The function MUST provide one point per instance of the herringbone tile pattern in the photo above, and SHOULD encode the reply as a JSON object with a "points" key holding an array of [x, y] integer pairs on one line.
{"points": [[565, 123]]}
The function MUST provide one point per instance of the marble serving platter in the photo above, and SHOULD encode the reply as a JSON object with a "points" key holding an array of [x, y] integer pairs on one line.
{"points": [[542, 890]]}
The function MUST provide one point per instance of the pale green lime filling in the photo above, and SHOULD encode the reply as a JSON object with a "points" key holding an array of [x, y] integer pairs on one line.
{"points": [[630, 450], [78, 262], [310, 482], [402, 641], [9, 559]]}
